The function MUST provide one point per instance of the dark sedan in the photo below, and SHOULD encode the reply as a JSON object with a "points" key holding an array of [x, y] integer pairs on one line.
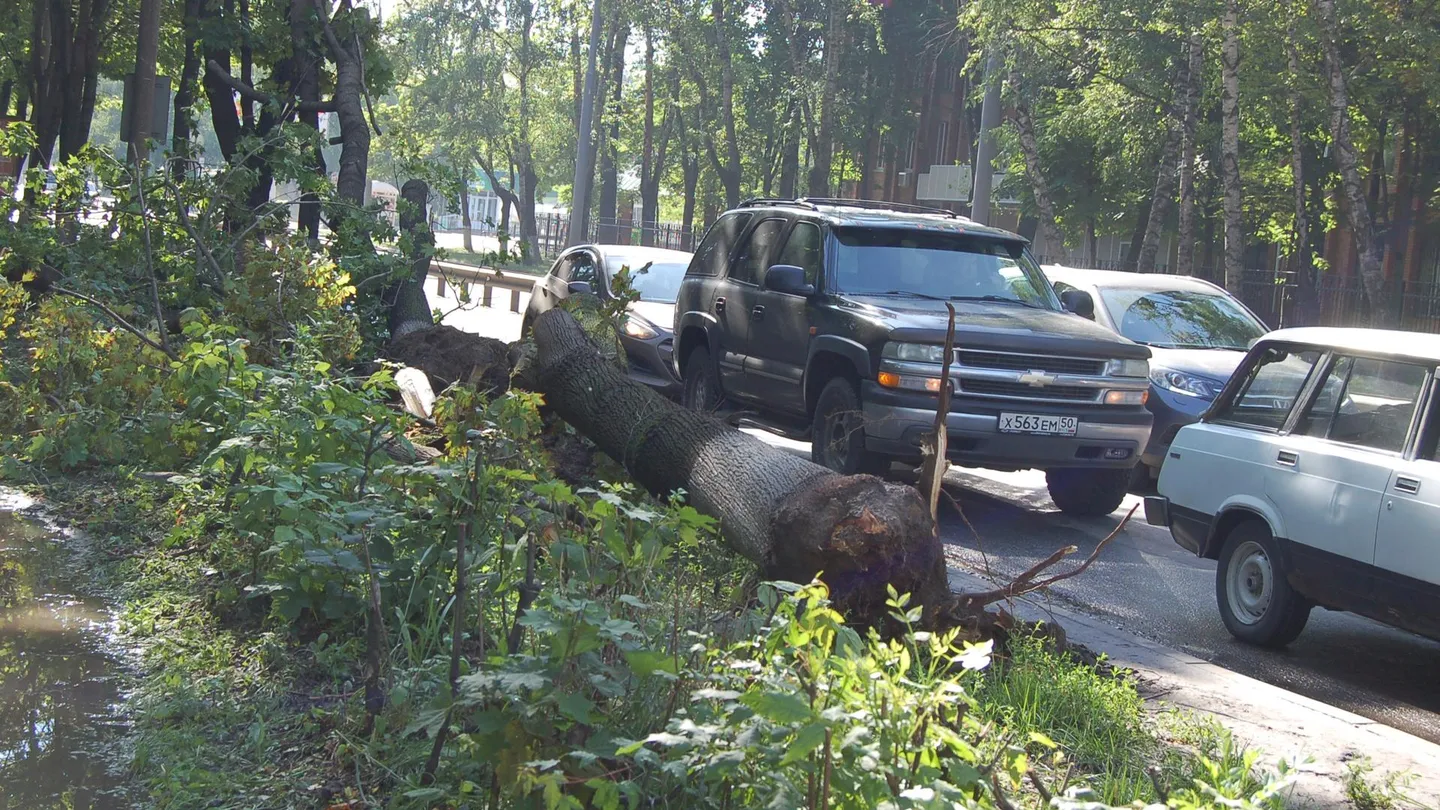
{"points": [[655, 274], [1197, 333]]}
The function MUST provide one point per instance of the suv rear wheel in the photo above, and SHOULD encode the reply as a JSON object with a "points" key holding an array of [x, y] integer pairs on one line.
{"points": [[702, 383], [1256, 601], [837, 439], [1087, 493]]}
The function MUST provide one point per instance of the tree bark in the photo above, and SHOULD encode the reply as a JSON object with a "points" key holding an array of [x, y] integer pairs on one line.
{"points": [[350, 109], [1035, 170], [1230, 146], [610, 173], [791, 517], [1165, 178], [83, 76], [185, 95], [143, 90], [306, 80], [407, 307], [1185, 236], [823, 149], [525, 178], [465, 224], [690, 171], [1357, 209], [584, 133], [729, 172], [224, 118], [1300, 261]]}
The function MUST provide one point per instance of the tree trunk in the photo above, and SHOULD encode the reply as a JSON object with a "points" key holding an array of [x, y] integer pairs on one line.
{"points": [[824, 146], [350, 109], [609, 173], [82, 77], [729, 173], [1025, 127], [584, 132], [224, 118], [647, 145], [1091, 243], [465, 224], [1357, 209], [143, 91], [1141, 217], [1185, 237], [1230, 147], [791, 517], [185, 95], [1300, 262], [690, 169], [306, 65], [407, 307], [1159, 203]]}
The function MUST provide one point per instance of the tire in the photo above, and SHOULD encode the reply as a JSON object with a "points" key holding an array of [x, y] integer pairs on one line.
{"points": [[1087, 492], [1256, 601], [837, 436], [701, 391]]}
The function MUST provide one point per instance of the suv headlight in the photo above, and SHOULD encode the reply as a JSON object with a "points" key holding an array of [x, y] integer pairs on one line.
{"points": [[1127, 368], [914, 352], [1187, 384]]}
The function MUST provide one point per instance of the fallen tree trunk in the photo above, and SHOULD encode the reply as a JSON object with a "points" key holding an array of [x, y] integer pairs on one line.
{"points": [[793, 518]]}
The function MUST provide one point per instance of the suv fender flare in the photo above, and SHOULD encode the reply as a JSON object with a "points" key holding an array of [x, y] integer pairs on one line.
{"points": [[853, 351], [1238, 508], [707, 324]]}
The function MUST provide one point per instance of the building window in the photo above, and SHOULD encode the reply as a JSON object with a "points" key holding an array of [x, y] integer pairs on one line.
{"points": [[942, 142]]}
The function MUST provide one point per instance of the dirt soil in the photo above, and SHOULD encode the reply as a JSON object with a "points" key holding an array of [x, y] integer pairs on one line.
{"points": [[450, 356]]}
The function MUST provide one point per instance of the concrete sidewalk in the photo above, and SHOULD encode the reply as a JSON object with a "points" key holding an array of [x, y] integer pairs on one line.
{"points": [[1279, 722]]}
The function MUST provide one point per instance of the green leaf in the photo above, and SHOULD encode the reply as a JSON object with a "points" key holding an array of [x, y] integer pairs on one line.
{"points": [[806, 740], [576, 707], [778, 707], [648, 662], [1038, 737]]}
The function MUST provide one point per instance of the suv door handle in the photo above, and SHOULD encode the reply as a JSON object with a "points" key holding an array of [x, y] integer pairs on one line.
{"points": [[719, 306], [1287, 458], [757, 314], [1409, 486]]}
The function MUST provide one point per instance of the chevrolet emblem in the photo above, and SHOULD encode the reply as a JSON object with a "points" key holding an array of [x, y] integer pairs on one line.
{"points": [[1037, 378]]}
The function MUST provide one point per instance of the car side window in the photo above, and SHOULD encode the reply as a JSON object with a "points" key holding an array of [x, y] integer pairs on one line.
{"points": [[805, 250], [714, 251], [582, 268], [1366, 402], [754, 258], [561, 270], [1268, 393]]}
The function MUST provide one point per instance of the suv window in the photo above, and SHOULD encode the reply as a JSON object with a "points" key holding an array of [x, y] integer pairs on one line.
{"points": [[754, 258], [804, 250], [714, 251], [1366, 402], [1269, 391], [899, 261]]}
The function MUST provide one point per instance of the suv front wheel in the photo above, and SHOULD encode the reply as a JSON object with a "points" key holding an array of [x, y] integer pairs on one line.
{"points": [[1087, 493], [837, 437], [702, 383], [1256, 601]]}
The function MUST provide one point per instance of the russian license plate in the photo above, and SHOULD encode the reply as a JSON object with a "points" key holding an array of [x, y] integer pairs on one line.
{"points": [[1040, 424]]}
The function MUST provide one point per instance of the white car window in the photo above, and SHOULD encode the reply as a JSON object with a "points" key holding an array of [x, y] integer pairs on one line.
{"points": [[1269, 392], [1366, 402]]}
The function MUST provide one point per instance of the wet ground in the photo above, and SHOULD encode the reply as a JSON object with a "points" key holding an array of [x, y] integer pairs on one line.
{"points": [[60, 674]]}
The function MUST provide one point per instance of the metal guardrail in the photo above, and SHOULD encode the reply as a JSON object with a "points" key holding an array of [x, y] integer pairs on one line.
{"points": [[448, 273]]}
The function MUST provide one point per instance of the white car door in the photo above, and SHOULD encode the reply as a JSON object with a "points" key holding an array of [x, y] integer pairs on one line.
{"points": [[1331, 473], [1410, 518]]}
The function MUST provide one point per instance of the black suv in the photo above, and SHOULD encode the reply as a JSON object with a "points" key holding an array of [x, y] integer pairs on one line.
{"points": [[826, 319]]}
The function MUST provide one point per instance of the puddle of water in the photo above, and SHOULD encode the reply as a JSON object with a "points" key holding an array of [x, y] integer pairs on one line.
{"points": [[60, 684]]}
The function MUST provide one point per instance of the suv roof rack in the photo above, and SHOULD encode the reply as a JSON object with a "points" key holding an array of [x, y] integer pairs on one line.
{"points": [[754, 202], [879, 205]]}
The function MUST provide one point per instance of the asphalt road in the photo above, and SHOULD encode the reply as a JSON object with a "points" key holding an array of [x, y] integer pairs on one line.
{"points": [[1145, 584]]}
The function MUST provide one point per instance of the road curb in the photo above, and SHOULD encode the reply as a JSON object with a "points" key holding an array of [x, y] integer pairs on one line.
{"points": [[1281, 723]]}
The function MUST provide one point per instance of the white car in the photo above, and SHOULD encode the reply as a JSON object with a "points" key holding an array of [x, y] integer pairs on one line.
{"points": [[1314, 480]]}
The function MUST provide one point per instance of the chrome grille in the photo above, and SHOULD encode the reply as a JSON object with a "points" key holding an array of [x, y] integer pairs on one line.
{"points": [[1029, 362], [996, 388]]}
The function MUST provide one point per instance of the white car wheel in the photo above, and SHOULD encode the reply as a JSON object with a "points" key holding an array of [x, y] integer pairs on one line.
{"points": [[1252, 582]]}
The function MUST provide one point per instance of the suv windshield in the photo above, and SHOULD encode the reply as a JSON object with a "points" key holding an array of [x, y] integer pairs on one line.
{"points": [[1181, 319], [896, 261]]}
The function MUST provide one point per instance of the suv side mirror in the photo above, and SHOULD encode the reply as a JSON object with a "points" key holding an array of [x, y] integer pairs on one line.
{"points": [[787, 278], [580, 288], [1078, 302]]}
